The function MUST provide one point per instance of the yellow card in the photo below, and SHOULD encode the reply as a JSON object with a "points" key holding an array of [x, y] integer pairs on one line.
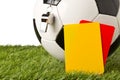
{"points": [[83, 48]]}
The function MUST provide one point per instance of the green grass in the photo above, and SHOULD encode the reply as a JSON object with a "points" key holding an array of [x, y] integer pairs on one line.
{"points": [[34, 63]]}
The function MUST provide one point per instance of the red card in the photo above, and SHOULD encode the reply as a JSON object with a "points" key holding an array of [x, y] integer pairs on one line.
{"points": [[107, 32]]}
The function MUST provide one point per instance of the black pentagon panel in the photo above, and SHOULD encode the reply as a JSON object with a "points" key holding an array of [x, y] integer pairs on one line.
{"points": [[109, 7], [36, 31], [52, 2], [117, 4], [60, 39]]}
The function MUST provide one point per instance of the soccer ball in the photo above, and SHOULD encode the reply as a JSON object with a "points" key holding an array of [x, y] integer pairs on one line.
{"points": [[50, 16]]}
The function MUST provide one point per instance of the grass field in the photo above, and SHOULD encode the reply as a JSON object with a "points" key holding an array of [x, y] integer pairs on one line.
{"points": [[34, 63]]}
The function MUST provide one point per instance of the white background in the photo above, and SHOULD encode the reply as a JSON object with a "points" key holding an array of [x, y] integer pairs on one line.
{"points": [[16, 26]]}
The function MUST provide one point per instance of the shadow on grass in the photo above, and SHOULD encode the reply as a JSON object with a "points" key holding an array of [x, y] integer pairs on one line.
{"points": [[114, 46], [113, 61]]}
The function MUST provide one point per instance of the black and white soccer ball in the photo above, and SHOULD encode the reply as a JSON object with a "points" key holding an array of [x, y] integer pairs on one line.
{"points": [[50, 16]]}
